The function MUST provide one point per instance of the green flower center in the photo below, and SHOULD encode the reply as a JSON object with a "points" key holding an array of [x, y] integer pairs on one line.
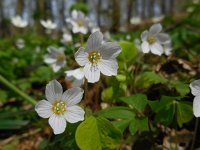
{"points": [[94, 57], [59, 107], [61, 57], [80, 23], [151, 39]]}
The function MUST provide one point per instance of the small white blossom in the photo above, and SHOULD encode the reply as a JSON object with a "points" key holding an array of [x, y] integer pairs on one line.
{"points": [[79, 22], [137, 43], [48, 24], [19, 22], [157, 19], [20, 43], [98, 57], [167, 48], [76, 76], [152, 40], [128, 37], [60, 107], [66, 38], [135, 20], [195, 89], [56, 58]]}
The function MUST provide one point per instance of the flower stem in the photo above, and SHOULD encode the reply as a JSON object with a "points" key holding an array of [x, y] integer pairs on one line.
{"points": [[195, 133], [81, 39], [86, 92], [16, 90]]}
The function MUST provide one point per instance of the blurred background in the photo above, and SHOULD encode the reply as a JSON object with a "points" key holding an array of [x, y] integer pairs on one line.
{"points": [[109, 14]]}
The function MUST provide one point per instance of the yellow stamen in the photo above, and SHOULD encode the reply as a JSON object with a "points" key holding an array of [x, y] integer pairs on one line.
{"points": [[59, 107], [151, 39], [94, 57]]}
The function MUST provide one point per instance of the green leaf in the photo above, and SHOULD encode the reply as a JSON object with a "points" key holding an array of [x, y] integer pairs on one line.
{"points": [[121, 78], [128, 51], [117, 112], [137, 101], [180, 87], [6, 124], [166, 114], [3, 95], [121, 124], [107, 94], [184, 113], [148, 78], [165, 109], [97, 134], [138, 124]]}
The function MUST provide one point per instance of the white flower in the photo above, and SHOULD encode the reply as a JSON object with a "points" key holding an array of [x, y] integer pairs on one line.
{"points": [[107, 36], [20, 43], [94, 29], [60, 107], [157, 19], [128, 37], [19, 22], [98, 57], [48, 24], [79, 22], [135, 20], [76, 76], [137, 43], [195, 89], [66, 38], [167, 48], [152, 40], [56, 57]]}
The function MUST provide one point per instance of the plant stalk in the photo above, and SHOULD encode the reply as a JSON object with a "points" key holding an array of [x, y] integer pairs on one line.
{"points": [[195, 133], [16, 90]]}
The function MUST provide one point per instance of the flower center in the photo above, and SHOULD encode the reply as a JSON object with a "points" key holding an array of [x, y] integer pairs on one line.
{"points": [[80, 23], [59, 107], [94, 57], [151, 39], [61, 57]]}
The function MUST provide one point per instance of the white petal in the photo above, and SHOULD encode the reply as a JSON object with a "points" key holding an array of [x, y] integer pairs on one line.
{"points": [[83, 30], [53, 91], [163, 38], [92, 73], [94, 41], [144, 35], [74, 114], [75, 29], [43, 108], [156, 49], [56, 67], [76, 73], [73, 96], [109, 49], [195, 87], [155, 29], [48, 59], [145, 47], [58, 123], [196, 106], [108, 67], [78, 83], [81, 56]]}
